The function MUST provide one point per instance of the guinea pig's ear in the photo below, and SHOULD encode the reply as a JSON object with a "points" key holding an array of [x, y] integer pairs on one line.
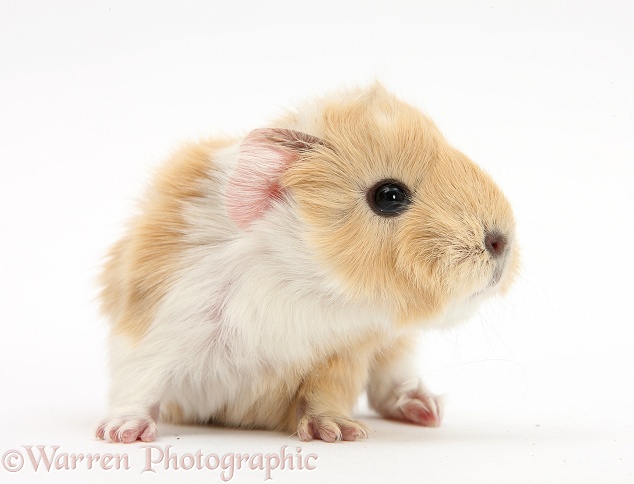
{"points": [[264, 156]]}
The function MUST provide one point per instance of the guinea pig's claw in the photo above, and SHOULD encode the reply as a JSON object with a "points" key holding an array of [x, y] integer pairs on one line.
{"points": [[330, 428], [127, 429], [419, 408]]}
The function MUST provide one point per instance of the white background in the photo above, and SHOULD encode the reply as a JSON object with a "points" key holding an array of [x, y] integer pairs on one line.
{"points": [[541, 94]]}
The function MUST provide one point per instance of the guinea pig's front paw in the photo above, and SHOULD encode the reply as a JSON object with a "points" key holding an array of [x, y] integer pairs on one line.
{"points": [[127, 429], [417, 407], [330, 428]]}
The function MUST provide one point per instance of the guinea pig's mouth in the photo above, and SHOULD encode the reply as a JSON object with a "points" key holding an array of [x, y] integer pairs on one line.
{"points": [[497, 275], [493, 282]]}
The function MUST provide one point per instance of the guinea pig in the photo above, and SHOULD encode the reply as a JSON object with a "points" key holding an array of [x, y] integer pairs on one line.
{"points": [[267, 281]]}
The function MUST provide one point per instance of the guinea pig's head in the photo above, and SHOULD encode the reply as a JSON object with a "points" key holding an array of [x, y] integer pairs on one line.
{"points": [[397, 215]]}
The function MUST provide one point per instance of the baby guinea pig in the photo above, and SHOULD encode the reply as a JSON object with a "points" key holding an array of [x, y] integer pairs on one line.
{"points": [[267, 281]]}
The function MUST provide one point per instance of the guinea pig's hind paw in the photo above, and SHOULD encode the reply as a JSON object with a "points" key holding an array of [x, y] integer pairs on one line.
{"points": [[330, 428], [128, 429], [419, 408]]}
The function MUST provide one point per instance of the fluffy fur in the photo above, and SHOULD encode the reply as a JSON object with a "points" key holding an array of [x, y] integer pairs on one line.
{"points": [[257, 289]]}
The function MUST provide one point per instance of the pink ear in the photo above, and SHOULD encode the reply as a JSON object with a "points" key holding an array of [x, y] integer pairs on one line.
{"points": [[264, 156]]}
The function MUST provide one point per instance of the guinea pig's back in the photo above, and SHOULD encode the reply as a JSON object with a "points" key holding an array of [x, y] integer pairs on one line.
{"points": [[182, 209]]}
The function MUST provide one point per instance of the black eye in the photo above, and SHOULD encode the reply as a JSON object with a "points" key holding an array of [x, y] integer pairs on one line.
{"points": [[388, 198]]}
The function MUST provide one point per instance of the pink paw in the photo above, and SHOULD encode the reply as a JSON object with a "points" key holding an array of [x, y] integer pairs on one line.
{"points": [[127, 429], [330, 428], [419, 408]]}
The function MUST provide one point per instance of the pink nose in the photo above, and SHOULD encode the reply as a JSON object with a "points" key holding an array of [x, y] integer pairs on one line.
{"points": [[495, 243]]}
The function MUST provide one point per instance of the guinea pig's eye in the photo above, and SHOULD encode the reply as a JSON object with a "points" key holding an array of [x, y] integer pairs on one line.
{"points": [[388, 198]]}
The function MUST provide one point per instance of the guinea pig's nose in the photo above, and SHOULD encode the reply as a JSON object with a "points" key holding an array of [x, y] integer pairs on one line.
{"points": [[495, 243]]}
